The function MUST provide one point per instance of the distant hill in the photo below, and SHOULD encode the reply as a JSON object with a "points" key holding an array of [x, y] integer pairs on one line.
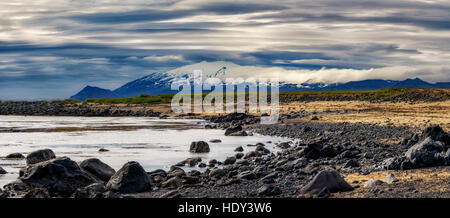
{"points": [[94, 92], [160, 82], [413, 83]]}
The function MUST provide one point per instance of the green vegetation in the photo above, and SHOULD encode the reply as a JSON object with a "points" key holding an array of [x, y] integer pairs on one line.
{"points": [[290, 96], [66, 101], [359, 94], [337, 92], [377, 95], [141, 99]]}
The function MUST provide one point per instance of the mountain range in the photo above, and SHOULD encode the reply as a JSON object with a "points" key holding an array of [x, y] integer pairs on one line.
{"points": [[160, 83]]}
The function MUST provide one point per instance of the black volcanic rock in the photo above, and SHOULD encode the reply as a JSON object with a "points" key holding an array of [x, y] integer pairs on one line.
{"points": [[40, 156], [131, 178], [61, 176], [15, 156], [98, 169], [433, 149], [232, 130], [330, 179], [199, 147]]}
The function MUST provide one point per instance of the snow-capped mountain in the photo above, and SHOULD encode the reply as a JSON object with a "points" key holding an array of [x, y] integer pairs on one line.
{"points": [[160, 82]]}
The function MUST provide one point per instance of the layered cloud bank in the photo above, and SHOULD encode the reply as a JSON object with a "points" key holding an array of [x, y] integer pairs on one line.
{"points": [[323, 75], [333, 75], [50, 49]]}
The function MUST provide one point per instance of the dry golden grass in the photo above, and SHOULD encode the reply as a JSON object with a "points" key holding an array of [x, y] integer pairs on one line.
{"points": [[419, 114], [428, 180], [384, 113]]}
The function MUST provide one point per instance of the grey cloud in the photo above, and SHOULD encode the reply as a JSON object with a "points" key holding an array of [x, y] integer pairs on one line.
{"points": [[221, 8], [110, 44], [131, 16], [238, 8], [168, 30], [403, 19]]}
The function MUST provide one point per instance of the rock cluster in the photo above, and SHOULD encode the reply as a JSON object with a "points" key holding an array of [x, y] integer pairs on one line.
{"points": [[429, 149], [233, 119], [310, 166], [60, 109], [48, 176], [60, 176]]}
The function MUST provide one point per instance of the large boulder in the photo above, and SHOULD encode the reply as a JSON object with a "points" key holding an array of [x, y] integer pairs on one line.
{"points": [[329, 179], [423, 154], [15, 156], [199, 147], [60, 176], [98, 169], [234, 129], [229, 160], [131, 178], [40, 156], [430, 149]]}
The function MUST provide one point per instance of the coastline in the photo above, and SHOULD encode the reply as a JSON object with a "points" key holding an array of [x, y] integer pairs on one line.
{"points": [[357, 149]]}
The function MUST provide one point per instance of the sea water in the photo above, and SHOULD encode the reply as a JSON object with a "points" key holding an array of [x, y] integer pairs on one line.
{"points": [[154, 143]]}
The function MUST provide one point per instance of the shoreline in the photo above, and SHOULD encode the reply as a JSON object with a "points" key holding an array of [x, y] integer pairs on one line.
{"points": [[354, 149]]}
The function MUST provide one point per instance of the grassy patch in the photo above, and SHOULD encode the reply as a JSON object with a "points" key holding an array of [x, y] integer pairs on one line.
{"points": [[141, 99], [380, 94], [66, 101]]}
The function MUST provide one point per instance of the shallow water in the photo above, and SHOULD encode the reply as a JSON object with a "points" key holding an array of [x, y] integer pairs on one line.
{"points": [[154, 143]]}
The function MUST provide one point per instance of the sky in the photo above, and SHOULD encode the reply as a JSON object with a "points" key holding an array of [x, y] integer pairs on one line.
{"points": [[51, 49]]}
